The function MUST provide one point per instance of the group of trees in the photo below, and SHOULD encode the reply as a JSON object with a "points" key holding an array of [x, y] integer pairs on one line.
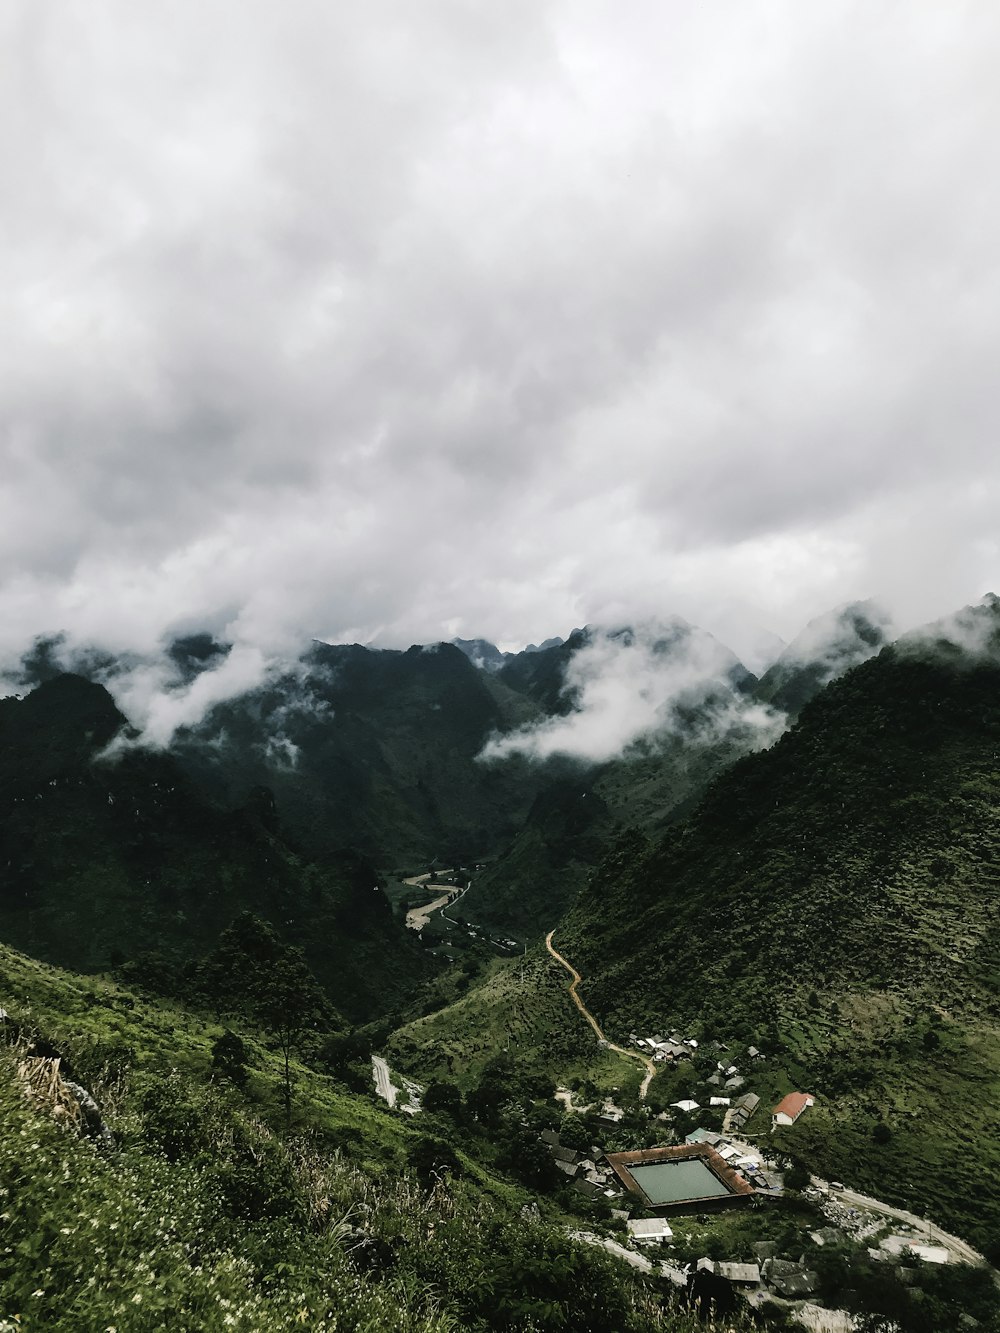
{"points": [[256, 974]]}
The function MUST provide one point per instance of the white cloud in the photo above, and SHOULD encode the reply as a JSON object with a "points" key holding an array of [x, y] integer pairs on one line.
{"points": [[641, 685], [401, 321]]}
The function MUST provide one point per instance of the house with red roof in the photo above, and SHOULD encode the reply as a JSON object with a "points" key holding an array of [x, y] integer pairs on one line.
{"points": [[790, 1108]]}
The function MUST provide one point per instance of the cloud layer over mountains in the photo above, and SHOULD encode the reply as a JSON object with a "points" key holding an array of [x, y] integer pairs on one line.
{"points": [[393, 322], [643, 684]]}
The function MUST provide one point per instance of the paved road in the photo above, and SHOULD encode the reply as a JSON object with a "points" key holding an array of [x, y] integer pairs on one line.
{"points": [[631, 1055], [457, 899], [383, 1083], [959, 1249], [417, 917], [676, 1275]]}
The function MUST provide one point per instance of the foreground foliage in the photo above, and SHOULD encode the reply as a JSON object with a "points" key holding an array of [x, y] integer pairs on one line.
{"points": [[203, 1216]]}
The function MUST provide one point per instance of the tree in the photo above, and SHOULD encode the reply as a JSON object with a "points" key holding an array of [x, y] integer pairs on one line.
{"points": [[573, 1133], [255, 972], [229, 1058], [290, 1003], [796, 1177], [432, 1156], [441, 1096]]}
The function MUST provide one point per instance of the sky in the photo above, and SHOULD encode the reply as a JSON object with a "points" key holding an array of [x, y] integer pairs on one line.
{"points": [[392, 322]]}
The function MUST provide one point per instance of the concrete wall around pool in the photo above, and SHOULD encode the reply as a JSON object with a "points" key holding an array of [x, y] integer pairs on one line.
{"points": [[689, 1178]]}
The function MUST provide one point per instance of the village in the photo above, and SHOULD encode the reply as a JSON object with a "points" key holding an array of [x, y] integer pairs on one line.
{"points": [[737, 1224], [678, 1235]]}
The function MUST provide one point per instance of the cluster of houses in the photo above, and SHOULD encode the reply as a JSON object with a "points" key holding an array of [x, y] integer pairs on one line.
{"points": [[739, 1111], [588, 1171], [671, 1048], [727, 1078], [736, 1157], [737, 1114], [789, 1278]]}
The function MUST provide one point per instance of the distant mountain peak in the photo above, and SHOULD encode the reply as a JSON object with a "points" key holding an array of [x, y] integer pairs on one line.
{"points": [[555, 642], [972, 632], [481, 653], [828, 646]]}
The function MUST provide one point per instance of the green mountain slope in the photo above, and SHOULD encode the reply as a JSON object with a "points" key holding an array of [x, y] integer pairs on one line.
{"points": [[836, 899], [374, 750], [106, 861], [200, 1213], [706, 722]]}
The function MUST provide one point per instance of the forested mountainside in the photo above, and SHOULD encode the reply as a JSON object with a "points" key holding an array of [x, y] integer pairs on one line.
{"points": [[836, 899], [375, 750], [656, 782], [860, 848], [827, 647], [541, 674], [378, 752], [574, 818], [700, 728], [107, 862]]}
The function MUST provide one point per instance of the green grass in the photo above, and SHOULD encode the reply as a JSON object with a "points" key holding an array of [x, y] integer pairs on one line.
{"points": [[522, 1008], [207, 1217]]}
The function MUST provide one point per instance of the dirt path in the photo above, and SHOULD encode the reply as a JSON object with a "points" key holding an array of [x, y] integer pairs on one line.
{"points": [[631, 1055]]}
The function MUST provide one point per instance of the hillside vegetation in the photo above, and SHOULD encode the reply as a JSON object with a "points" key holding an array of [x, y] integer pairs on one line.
{"points": [[836, 899], [110, 862], [374, 750], [192, 1210]]}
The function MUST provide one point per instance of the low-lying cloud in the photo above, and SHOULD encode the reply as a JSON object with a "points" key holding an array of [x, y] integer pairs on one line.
{"points": [[972, 632], [641, 686]]}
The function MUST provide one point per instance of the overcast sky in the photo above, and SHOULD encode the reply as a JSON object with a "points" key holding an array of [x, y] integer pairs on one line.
{"points": [[400, 320]]}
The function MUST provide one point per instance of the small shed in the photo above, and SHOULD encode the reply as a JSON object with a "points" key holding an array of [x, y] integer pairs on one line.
{"points": [[744, 1275], [649, 1230]]}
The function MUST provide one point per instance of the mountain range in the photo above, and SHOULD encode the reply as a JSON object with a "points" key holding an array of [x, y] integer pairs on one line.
{"points": [[798, 872], [831, 901]]}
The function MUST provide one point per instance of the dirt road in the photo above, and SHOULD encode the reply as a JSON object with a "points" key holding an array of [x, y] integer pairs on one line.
{"points": [[631, 1055]]}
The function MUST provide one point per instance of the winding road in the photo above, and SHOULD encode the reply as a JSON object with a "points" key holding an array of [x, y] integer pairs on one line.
{"points": [[631, 1055], [417, 917]]}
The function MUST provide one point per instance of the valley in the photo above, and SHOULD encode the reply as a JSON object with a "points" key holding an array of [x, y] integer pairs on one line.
{"points": [[418, 917], [780, 957]]}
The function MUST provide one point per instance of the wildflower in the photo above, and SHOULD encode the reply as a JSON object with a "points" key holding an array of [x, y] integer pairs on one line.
{"points": [[137, 1298]]}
